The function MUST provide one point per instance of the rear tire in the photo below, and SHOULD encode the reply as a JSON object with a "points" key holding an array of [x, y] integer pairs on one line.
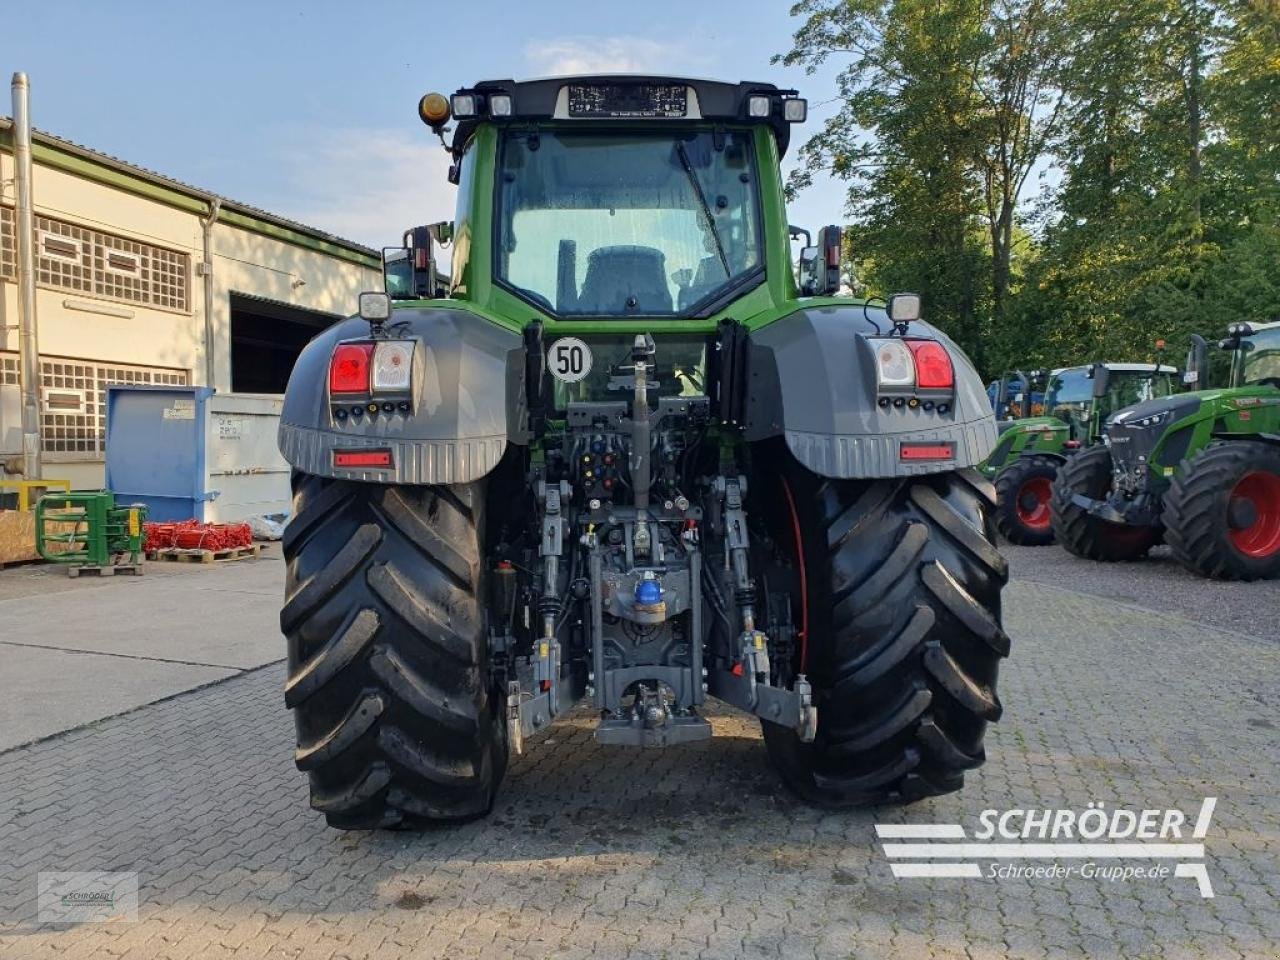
{"points": [[1222, 512], [1080, 532], [906, 638], [387, 653], [1023, 491]]}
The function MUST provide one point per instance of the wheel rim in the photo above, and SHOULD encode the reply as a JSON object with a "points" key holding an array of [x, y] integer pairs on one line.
{"points": [[1032, 503], [1261, 492]]}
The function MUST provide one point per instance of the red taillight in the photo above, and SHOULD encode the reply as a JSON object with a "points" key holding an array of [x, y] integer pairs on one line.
{"points": [[927, 451], [933, 365], [362, 458], [349, 368]]}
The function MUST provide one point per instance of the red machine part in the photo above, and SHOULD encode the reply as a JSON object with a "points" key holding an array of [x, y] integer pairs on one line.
{"points": [[194, 535]]}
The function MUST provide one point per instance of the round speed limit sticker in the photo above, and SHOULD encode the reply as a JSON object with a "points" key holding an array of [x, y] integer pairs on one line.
{"points": [[569, 359]]}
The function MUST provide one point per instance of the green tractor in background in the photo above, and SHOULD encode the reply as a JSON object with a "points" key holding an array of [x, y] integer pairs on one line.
{"points": [[1031, 449], [1200, 471]]}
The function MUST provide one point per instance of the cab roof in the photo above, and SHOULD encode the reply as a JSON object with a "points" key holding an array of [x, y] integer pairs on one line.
{"points": [[628, 98]]}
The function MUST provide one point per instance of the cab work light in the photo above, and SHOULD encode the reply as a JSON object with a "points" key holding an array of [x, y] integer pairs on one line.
{"points": [[349, 368]]}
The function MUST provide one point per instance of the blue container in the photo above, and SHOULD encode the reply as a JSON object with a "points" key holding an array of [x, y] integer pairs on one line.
{"points": [[156, 449]]}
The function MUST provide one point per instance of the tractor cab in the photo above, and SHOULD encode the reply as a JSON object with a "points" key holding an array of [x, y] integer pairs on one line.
{"points": [[1118, 385]]}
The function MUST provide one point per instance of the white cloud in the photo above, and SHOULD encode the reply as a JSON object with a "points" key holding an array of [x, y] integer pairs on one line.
{"points": [[571, 55], [367, 185]]}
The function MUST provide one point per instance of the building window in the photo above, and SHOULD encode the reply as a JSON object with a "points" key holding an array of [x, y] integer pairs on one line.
{"points": [[100, 264], [73, 412], [8, 244]]}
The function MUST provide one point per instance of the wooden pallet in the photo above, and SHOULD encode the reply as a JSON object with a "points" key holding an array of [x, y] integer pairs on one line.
{"points": [[178, 555], [108, 571]]}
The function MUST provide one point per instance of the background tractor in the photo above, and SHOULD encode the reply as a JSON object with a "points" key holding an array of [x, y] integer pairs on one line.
{"points": [[1200, 470], [1031, 449], [620, 451]]}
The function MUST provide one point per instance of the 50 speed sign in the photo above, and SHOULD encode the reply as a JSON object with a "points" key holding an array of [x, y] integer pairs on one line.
{"points": [[569, 359]]}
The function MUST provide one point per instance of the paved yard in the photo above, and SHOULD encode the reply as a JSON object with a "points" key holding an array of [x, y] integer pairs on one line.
{"points": [[689, 852]]}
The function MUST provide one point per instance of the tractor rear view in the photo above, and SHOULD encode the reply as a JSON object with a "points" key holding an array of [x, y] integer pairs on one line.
{"points": [[1200, 471], [1032, 449], [622, 452]]}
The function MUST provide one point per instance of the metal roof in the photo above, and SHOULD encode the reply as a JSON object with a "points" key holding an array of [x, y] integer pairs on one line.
{"points": [[42, 138]]}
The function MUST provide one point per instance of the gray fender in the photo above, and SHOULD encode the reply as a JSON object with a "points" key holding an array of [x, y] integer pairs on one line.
{"points": [[468, 402], [813, 380]]}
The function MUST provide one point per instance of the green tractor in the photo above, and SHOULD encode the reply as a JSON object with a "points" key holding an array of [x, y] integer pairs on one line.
{"points": [[1200, 471], [619, 452], [1031, 449]]}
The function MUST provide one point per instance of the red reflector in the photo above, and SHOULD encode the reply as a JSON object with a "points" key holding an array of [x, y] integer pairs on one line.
{"points": [[349, 368], [545, 685], [1072, 444], [927, 451], [933, 365], [362, 458]]}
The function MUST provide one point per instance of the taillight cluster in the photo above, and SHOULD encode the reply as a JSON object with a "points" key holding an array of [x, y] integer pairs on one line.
{"points": [[385, 366], [907, 367]]}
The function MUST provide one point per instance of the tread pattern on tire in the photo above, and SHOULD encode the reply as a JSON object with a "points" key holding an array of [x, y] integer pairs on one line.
{"points": [[387, 653], [1089, 472], [1195, 510], [906, 637], [1008, 482]]}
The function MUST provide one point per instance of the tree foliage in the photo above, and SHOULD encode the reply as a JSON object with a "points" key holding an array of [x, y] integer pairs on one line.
{"points": [[1153, 128]]}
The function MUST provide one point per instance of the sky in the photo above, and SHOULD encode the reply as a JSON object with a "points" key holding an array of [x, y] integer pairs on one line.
{"points": [[309, 110]]}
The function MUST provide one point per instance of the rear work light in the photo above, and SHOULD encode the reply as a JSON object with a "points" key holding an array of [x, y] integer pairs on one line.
{"points": [[349, 368]]}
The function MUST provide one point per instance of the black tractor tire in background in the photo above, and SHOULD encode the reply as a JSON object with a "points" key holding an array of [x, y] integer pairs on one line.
{"points": [[905, 636], [1023, 490], [1080, 532], [387, 653], [1222, 512]]}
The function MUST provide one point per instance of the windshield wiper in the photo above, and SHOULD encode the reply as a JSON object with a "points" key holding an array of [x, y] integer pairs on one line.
{"points": [[706, 210]]}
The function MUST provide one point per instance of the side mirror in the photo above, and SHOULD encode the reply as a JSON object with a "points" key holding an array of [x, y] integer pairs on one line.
{"points": [[1027, 387], [418, 243], [397, 272], [1197, 362], [820, 264], [1101, 380]]}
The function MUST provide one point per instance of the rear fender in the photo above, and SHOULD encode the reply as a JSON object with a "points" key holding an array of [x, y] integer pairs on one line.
{"points": [[812, 380], [468, 402]]}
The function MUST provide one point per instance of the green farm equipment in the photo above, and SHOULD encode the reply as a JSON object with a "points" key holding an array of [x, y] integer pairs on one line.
{"points": [[1031, 449], [86, 530], [622, 450], [1200, 471]]}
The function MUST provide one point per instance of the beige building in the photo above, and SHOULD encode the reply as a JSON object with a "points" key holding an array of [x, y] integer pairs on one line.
{"points": [[125, 267]]}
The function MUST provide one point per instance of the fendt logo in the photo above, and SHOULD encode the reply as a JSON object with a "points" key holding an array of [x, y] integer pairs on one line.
{"points": [[1114, 845]]}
